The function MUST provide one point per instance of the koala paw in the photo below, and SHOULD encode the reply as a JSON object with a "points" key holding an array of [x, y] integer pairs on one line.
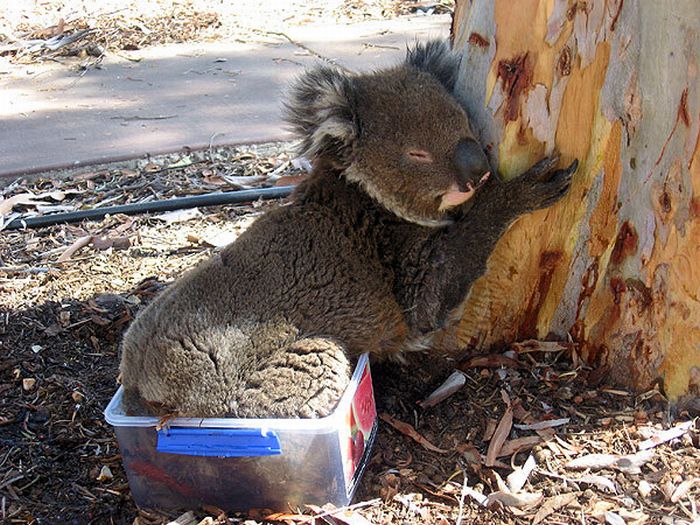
{"points": [[542, 185]]}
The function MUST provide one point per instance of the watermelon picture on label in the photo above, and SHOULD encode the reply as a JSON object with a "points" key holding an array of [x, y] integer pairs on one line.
{"points": [[363, 403], [360, 421]]}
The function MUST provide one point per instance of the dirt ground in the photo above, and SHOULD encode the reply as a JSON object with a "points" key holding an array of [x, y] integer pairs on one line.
{"points": [[68, 292]]}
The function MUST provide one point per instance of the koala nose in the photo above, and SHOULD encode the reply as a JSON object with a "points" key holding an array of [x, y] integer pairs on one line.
{"points": [[471, 163]]}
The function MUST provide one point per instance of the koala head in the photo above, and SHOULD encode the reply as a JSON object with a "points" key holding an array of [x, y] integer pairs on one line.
{"points": [[398, 132]]}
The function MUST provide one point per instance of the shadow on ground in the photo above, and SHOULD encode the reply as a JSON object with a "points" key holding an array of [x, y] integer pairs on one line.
{"points": [[61, 463]]}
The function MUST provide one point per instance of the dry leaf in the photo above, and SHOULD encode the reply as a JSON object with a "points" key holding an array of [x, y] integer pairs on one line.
{"points": [[600, 507], [28, 383], [451, 385], [520, 500], [411, 432], [523, 415], [480, 498], [682, 490], [88, 176], [183, 215], [512, 446], [633, 517], [613, 519], [541, 425], [490, 429], [245, 181], [644, 488], [667, 489], [209, 177], [666, 435], [551, 505], [59, 195], [45, 209], [25, 199], [568, 447], [516, 480], [79, 243], [499, 436], [630, 463], [469, 453], [105, 474], [220, 239], [599, 481], [105, 242], [126, 225], [490, 361], [510, 498]]}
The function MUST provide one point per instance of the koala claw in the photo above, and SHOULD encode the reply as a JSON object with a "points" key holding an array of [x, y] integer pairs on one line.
{"points": [[565, 175], [547, 186], [541, 172], [561, 180]]}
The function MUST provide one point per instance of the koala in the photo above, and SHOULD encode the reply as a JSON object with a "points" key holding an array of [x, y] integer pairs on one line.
{"points": [[375, 253]]}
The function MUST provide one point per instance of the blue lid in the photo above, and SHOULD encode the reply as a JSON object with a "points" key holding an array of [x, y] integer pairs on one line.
{"points": [[218, 442]]}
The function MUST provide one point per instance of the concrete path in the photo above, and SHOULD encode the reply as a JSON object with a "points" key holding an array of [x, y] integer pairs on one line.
{"points": [[185, 95]]}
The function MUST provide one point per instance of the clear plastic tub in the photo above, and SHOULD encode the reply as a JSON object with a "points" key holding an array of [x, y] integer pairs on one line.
{"points": [[241, 464]]}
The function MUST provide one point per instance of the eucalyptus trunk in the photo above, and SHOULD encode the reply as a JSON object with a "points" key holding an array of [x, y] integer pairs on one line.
{"points": [[615, 266]]}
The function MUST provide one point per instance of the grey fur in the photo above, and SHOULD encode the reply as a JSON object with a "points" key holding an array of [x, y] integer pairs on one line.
{"points": [[436, 58], [363, 259]]}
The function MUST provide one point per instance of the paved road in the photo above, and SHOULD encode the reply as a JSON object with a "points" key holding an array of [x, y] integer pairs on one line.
{"points": [[178, 95]]}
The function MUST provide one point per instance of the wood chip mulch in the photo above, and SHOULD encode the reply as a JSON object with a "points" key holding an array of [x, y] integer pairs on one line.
{"points": [[527, 434]]}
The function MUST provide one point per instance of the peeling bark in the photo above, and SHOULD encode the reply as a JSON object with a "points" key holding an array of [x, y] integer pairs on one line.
{"points": [[616, 265]]}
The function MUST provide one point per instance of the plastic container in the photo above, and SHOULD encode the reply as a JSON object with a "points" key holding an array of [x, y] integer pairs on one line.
{"points": [[241, 464]]}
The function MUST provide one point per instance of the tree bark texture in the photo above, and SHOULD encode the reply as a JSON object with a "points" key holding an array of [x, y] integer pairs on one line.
{"points": [[616, 264]]}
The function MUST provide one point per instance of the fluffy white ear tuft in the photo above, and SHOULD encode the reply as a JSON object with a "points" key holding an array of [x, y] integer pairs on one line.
{"points": [[320, 109]]}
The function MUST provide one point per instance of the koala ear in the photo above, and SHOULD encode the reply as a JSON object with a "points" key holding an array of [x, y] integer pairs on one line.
{"points": [[320, 109], [436, 58]]}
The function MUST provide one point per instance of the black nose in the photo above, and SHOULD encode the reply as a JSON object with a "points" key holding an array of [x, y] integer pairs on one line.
{"points": [[471, 163]]}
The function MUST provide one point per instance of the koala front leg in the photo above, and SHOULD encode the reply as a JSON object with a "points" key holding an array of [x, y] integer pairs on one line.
{"points": [[440, 270]]}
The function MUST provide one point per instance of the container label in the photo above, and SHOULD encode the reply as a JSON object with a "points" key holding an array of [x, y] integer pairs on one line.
{"points": [[357, 432]]}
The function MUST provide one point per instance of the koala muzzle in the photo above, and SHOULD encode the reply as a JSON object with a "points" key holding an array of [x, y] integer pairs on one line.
{"points": [[471, 164]]}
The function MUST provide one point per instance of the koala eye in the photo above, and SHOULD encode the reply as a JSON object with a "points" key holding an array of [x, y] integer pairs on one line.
{"points": [[419, 155]]}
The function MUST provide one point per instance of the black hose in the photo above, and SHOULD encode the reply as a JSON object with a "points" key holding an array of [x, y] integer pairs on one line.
{"points": [[177, 203]]}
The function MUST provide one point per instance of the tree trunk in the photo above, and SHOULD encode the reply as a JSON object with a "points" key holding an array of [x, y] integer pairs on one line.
{"points": [[616, 264]]}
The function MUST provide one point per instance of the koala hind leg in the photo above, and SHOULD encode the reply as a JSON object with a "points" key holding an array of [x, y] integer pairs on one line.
{"points": [[304, 379]]}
